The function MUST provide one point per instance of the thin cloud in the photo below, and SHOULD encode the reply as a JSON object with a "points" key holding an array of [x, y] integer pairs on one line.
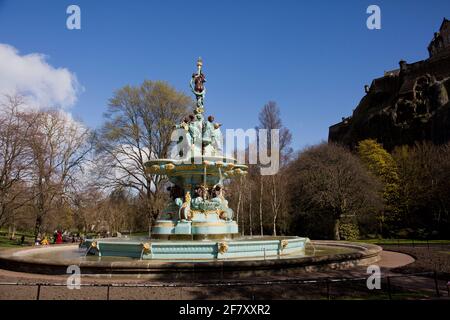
{"points": [[40, 83]]}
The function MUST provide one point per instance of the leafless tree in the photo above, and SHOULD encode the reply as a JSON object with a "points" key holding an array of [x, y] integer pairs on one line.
{"points": [[138, 127], [58, 147], [14, 158], [270, 118]]}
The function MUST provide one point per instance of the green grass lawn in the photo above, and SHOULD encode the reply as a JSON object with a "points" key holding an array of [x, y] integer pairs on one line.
{"points": [[6, 242]]}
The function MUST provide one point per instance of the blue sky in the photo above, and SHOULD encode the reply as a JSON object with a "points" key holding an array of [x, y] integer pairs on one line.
{"points": [[312, 59]]}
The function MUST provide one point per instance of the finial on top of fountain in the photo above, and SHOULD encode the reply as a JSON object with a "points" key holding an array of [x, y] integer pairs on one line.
{"points": [[198, 88]]}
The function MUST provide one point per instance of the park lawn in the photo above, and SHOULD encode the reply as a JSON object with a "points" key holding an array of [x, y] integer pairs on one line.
{"points": [[5, 242]]}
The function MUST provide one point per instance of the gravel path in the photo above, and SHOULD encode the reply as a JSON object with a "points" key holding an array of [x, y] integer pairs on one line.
{"points": [[419, 286]]}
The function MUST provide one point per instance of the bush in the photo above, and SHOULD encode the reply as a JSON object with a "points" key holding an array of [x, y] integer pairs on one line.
{"points": [[349, 231]]}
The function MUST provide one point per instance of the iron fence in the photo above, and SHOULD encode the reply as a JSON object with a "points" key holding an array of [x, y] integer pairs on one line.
{"points": [[323, 283]]}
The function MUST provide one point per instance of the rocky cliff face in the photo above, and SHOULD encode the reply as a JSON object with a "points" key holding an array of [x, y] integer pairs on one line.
{"points": [[406, 105]]}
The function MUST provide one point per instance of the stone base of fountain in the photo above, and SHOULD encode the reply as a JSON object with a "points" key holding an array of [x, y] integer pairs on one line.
{"points": [[238, 248], [318, 256]]}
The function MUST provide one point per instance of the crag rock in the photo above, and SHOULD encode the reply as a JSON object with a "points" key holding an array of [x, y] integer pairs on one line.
{"points": [[406, 105]]}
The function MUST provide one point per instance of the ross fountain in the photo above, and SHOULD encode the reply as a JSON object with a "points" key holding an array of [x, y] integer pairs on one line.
{"points": [[196, 234], [197, 223]]}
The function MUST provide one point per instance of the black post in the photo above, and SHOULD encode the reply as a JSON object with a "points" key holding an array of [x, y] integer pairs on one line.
{"points": [[328, 289], [389, 287], [107, 292], [38, 292], [428, 244], [436, 284], [413, 243]]}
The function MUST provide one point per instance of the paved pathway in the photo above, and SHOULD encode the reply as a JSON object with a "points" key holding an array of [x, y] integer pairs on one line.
{"points": [[285, 291]]}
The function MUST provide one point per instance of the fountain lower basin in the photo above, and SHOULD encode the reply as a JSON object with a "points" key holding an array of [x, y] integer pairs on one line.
{"points": [[244, 247], [317, 256]]}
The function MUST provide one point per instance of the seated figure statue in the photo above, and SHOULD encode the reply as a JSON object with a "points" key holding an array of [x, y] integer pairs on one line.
{"points": [[185, 209], [226, 213]]}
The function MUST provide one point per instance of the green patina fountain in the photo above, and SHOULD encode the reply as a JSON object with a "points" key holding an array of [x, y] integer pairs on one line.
{"points": [[198, 208], [195, 235], [197, 222]]}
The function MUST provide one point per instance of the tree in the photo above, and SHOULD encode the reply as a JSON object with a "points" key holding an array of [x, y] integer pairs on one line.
{"points": [[14, 158], [424, 201], [383, 166], [329, 179], [270, 118], [58, 146], [138, 126]]}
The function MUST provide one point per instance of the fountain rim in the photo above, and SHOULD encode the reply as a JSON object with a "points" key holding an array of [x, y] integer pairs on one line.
{"points": [[191, 161], [17, 260]]}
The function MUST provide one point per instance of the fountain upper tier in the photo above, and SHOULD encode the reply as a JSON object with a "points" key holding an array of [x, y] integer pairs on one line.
{"points": [[197, 208]]}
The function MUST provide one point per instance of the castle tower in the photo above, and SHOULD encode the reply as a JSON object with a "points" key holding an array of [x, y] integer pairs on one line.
{"points": [[441, 40]]}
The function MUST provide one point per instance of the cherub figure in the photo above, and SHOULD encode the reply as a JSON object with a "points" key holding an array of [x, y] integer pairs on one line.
{"points": [[225, 213]]}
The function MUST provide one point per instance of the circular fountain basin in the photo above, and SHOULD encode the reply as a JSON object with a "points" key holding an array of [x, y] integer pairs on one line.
{"points": [[318, 255], [243, 247]]}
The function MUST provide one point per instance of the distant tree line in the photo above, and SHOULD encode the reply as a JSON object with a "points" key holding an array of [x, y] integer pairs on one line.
{"points": [[55, 173], [330, 192]]}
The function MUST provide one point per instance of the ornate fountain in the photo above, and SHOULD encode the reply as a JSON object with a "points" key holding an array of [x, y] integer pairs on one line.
{"points": [[195, 235], [197, 222], [197, 209]]}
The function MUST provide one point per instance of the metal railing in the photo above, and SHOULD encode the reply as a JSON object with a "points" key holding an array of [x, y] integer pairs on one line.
{"points": [[413, 243], [326, 282]]}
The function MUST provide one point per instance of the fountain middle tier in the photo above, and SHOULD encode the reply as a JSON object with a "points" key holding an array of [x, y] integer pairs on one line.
{"points": [[188, 173], [197, 208]]}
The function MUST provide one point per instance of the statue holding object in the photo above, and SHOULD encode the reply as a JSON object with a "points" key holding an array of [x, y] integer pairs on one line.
{"points": [[197, 85]]}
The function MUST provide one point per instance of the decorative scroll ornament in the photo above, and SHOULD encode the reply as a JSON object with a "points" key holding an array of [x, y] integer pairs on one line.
{"points": [[222, 214], [170, 166], [222, 247], [146, 248], [219, 164], [284, 243]]}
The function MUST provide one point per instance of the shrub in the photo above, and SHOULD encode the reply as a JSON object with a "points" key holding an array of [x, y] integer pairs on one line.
{"points": [[349, 231]]}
